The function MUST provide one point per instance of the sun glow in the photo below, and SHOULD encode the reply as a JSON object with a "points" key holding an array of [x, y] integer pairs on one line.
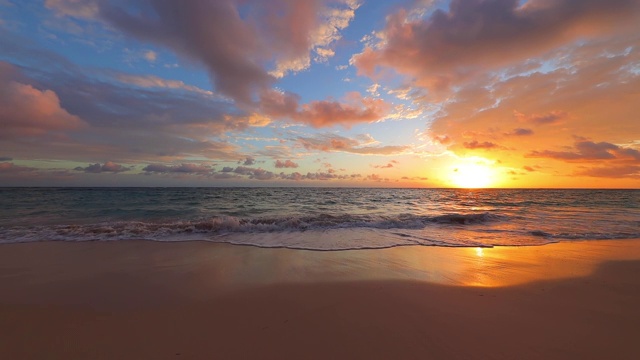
{"points": [[472, 175]]}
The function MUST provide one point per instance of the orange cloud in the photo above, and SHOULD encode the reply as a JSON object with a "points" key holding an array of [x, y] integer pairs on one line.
{"points": [[552, 117], [475, 144], [592, 92], [614, 172], [588, 150], [520, 132]]}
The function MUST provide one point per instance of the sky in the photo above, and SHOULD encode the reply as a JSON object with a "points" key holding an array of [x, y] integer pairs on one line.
{"points": [[362, 93]]}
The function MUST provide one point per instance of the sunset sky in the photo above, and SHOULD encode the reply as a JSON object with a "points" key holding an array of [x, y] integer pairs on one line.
{"points": [[460, 93]]}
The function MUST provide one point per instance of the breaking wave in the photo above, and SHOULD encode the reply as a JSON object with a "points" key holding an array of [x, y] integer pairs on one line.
{"points": [[223, 225]]}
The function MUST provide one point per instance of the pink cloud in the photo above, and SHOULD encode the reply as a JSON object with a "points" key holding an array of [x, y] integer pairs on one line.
{"points": [[11, 168], [268, 39], [29, 112], [324, 113], [327, 113], [375, 177], [473, 36], [387, 166], [285, 164], [330, 143]]}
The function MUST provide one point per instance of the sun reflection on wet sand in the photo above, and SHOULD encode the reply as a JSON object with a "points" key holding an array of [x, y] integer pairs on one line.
{"points": [[482, 267], [206, 268], [485, 267]]}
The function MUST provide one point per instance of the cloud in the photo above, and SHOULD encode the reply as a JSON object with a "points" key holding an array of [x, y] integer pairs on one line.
{"points": [[312, 29], [26, 111], [9, 168], [337, 143], [150, 55], [587, 88], [442, 139], [520, 132], [327, 113], [76, 8], [419, 178], [375, 177], [285, 164], [275, 151], [473, 145], [197, 169], [261, 174], [81, 115], [253, 119], [529, 168], [253, 173], [248, 161], [615, 172], [589, 150], [324, 113], [316, 176], [106, 167], [280, 33], [387, 166], [474, 36], [328, 143], [152, 81], [552, 117]]}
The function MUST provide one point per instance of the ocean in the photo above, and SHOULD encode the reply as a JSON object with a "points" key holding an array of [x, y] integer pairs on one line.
{"points": [[319, 218]]}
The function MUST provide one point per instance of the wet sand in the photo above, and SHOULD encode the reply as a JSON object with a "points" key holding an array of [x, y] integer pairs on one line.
{"points": [[149, 300]]}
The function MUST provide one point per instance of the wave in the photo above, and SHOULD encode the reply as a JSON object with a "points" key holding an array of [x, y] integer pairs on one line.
{"points": [[222, 225], [321, 232], [585, 235]]}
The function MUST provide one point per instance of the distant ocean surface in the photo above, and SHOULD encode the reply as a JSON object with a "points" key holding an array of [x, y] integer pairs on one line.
{"points": [[319, 218]]}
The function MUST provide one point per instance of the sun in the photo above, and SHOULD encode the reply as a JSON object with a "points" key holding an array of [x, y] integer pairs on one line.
{"points": [[472, 175]]}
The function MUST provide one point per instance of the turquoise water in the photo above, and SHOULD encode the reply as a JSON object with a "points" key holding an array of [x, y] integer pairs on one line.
{"points": [[319, 218]]}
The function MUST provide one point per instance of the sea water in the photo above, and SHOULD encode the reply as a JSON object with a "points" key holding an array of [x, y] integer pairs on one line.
{"points": [[319, 218]]}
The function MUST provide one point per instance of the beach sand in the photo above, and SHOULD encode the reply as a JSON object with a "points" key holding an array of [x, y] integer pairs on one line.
{"points": [[198, 300]]}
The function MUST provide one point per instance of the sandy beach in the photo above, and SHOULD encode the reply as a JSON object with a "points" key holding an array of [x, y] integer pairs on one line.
{"points": [[197, 300]]}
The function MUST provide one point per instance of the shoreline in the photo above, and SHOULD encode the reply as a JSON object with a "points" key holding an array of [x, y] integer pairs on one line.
{"points": [[153, 300]]}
